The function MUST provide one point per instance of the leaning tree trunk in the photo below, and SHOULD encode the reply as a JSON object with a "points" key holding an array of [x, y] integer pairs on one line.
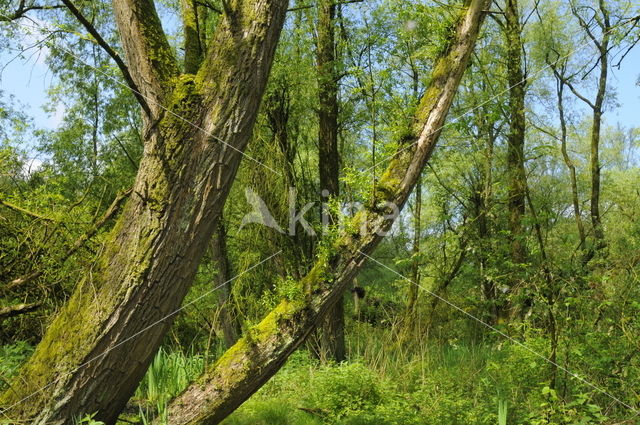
{"points": [[257, 356], [97, 349], [575, 196]]}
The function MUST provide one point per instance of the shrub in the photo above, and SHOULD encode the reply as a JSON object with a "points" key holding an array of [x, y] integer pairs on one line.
{"points": [[345, 390]]}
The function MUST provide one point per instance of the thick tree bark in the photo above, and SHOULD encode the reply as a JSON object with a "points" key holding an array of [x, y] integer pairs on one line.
{"points": [[331, 343], [193, 50], [516, 138], [244, 368], [99, 346]]}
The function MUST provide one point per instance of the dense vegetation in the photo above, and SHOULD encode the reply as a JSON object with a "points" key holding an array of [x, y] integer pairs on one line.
{"points": [[508, 289]]}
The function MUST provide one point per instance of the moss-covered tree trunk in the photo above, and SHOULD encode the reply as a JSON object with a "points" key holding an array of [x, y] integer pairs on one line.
{"points": [[257, 356], [602, 43], [603, 51], [517, 182], [99, 346]]}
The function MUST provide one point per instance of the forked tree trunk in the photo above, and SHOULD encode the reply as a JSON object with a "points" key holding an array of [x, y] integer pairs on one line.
{"points": [[603, 46], [575, 196], [257, 356], [99, 346]]}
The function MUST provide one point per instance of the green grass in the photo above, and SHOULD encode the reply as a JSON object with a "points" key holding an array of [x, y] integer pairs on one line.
{"points": [[388, 382]]}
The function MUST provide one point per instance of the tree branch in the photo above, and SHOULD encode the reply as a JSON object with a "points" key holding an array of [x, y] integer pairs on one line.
{"points": [[109, 50], [209, 6], [338, 3], [573, 89], [25, 211], [18, 309], [79, 243], [23, 9], [147, 51]]}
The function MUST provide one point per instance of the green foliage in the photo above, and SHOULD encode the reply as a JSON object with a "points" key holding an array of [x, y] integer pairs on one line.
{"points": [[88, 420], [11, 358], [445, 387], [272, 412], [502, 411], [167, 376], [579, 411], [345, 390]]}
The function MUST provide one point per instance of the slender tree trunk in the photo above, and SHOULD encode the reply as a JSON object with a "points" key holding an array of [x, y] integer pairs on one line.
{"points": [[257, 356], [597, 106], [603, 49], [415, 250], [332, 345], [482, 203], [227, 320], [193, 51], [516, 137], [446, 279], [412, 299], [99, 346], [575, 197]]}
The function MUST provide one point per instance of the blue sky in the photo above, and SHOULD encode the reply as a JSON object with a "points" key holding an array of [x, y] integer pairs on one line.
{"points": [[625, 81]]}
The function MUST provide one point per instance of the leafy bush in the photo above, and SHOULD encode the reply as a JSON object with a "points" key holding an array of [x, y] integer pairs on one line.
{"points": [[344, 390], [579, 411]]}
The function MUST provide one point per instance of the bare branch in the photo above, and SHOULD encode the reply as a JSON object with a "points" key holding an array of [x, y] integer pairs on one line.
{"points": [[18, 309], [339, 3], [22, 10], [209, 6]]}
